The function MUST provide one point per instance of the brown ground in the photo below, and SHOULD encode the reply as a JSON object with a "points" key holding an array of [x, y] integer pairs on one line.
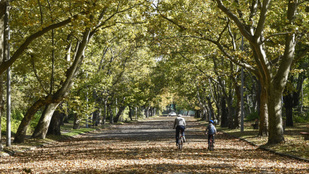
{"points": [[149, 147]]}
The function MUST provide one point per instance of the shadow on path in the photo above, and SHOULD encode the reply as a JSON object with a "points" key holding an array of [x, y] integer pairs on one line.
{"points": [[148, 147]]}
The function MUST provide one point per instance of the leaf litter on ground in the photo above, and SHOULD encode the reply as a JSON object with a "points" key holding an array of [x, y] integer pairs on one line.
{"points": [[149, 147]]}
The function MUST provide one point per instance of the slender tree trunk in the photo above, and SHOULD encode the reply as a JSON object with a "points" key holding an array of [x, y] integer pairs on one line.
{"points": [[289, 116], [238, 106], [2, 58], [111, 114], [1, 90], [76, 122], [291, 99], [104, 111], [263, 113], [42, 127], [288, 105], [130, 112], [224, 122], [66, 118], [229, 98], [95, 117], [100, 114], [147, 112], [211, 110], [230, 112], [219, 107], [1, 107], [136, 113]]}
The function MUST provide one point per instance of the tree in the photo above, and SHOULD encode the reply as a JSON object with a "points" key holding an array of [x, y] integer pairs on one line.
{"points": [[272, 82], [292, 92], [251, 19], [93, 23]]}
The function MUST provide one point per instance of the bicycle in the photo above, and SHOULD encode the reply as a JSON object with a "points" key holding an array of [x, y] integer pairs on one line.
{"points": [[210, 143], [180, 140]]}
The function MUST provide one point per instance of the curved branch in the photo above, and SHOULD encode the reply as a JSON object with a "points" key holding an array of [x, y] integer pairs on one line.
{"points": [[5, 65], [230, 57]]}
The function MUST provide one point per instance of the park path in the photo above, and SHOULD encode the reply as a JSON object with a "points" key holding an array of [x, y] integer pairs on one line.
{"points": [[148, 146]]}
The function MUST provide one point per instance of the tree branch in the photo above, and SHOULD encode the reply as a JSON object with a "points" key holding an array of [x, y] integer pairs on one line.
{"points": [[232, 16], [175, 23], [261, 23], [36, 74], [5, 65]]}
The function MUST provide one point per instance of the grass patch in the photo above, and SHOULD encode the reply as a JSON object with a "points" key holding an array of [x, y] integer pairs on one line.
{"points": [[74, 132], [294, 144]]}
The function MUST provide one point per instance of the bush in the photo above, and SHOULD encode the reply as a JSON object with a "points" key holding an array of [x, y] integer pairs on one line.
{"points": [[252, 116], [14, 125], [34, 121], [301, 117]]}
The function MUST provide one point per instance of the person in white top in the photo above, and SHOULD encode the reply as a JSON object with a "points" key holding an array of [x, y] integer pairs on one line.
{"points": [[179, 125]]}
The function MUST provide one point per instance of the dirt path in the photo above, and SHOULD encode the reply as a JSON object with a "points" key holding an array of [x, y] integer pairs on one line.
{"points": [[149, 147]]}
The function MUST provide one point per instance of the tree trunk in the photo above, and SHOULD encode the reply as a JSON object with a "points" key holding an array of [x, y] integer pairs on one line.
{"points": [[121, 109], [55, 123], [1, 108], [211, 110], [291, 99], [136, 113], [224, 122], [23, 126], [111, 114], [66, 118], [1, 86], [289, 116], [275, 117], [96, 117], [238, 106], [263, 113], [279, 81], [146, 112], [43, 125], [230, 112], [55, 98], [42, 128], [104, 111], [2, 58], [76, 122], [130, 112], [273, 77], [288, 105]]}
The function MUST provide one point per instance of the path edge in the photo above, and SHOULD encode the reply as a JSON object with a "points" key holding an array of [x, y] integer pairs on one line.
{"points": [[267, 149]]}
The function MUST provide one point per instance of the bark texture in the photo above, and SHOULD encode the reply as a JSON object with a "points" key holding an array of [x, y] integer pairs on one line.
{"points": [[55, 123], [2, 55], [43, 125]]}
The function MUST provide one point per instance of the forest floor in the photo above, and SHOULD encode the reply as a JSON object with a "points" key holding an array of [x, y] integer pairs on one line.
{"points": [[148, 146]]}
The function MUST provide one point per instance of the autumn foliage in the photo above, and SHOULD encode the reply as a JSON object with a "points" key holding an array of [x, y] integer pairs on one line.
{"points": [[148, 147]]}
